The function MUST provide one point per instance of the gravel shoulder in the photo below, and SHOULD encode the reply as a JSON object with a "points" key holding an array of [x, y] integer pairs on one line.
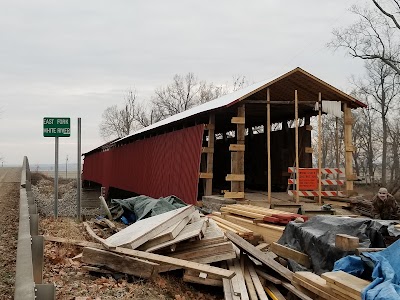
{"points": [[9, 205]]}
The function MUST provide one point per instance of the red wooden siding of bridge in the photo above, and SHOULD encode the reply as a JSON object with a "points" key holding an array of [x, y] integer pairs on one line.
{"points": [[158, 166]]}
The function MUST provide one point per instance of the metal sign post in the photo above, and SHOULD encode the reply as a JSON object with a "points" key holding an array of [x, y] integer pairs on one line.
{"points": [[79, 179], [56, 179], [56, 127]]}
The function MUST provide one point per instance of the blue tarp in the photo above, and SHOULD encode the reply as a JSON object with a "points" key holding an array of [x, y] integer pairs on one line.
{"points": [[384, 267]]}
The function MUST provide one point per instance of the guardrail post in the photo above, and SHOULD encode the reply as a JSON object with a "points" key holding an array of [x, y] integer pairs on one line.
{"points": [[37, 258], [45, 291], [34, 224]]}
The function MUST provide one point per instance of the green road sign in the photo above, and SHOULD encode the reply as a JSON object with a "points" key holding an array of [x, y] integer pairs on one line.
{"points": [[56, 127]]}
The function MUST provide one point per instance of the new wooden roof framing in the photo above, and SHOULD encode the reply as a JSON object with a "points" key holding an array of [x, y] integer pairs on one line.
{"points": [[282, 91]]}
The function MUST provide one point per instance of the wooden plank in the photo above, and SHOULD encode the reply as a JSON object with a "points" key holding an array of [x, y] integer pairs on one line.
{"points": [[205, 255], [295, 291], [347, 242], [257, 283], [346, 281], [361, 250], [120, 263], [234, 195], [238, 120], [206, 175], [192, 230], [194, 277], [207, 150], [259, 255], [210, 156], [249, 283], [161, 259], [277, 294], [268, 277], [168, 234], [236, 147], [289, 253], [238, 282], [235, 177], [144, 230]]}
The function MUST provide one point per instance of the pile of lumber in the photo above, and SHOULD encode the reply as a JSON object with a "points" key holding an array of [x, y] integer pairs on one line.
{"points": [[262, 214], [178, 239]]}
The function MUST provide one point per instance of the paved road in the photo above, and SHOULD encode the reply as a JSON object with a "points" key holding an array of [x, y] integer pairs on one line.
{"points": [[9, 212], [8, 175]]}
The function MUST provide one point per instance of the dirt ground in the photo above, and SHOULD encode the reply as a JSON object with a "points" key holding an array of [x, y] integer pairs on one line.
{"points": [[9, 205], [73, 281]]}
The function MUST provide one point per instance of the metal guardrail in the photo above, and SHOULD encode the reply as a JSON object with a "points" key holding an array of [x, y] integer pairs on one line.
{"points": [[30, 249]]}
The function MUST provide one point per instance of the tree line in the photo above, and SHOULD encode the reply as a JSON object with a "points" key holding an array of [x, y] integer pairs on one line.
{"points": [[184, 92]]}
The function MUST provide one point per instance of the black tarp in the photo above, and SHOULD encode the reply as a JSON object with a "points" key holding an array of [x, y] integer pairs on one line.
{"points": [[316, 237]]}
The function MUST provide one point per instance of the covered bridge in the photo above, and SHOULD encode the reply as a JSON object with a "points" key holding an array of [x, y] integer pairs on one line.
{"points": [[225, 144]]}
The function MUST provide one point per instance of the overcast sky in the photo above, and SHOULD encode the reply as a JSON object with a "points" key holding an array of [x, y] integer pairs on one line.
{"points": [[76, 58]]}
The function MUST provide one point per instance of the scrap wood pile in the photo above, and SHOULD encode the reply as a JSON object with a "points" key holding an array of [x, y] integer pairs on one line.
{"points": [[178, 239], [183, 239]]}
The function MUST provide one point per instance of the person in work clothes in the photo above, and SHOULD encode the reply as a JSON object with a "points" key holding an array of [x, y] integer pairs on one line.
{"points": [[384, 206]]}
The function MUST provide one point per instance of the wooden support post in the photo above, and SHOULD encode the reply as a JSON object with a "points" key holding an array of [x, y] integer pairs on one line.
{"points": [[237, 156], [296, 120], [319, 147], [269, 145], [210, 155], [337, 149], [348, 145]]}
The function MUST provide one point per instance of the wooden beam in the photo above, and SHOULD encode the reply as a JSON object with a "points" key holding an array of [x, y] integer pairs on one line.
{"points": [[347, 242], [236, 147], [234, 195], [269, 187], [350, 283], [206, 175], [235, 177], [196, 277], [319, 147], [289, 253], [120, 263], [210, 155], [207, 150], [309, 127], [238, 120], [348, 138], [259, 255]]}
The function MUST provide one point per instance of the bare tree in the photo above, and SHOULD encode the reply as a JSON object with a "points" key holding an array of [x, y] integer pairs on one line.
{"points": [[184, 93], [118, 122], [375, 36]]}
